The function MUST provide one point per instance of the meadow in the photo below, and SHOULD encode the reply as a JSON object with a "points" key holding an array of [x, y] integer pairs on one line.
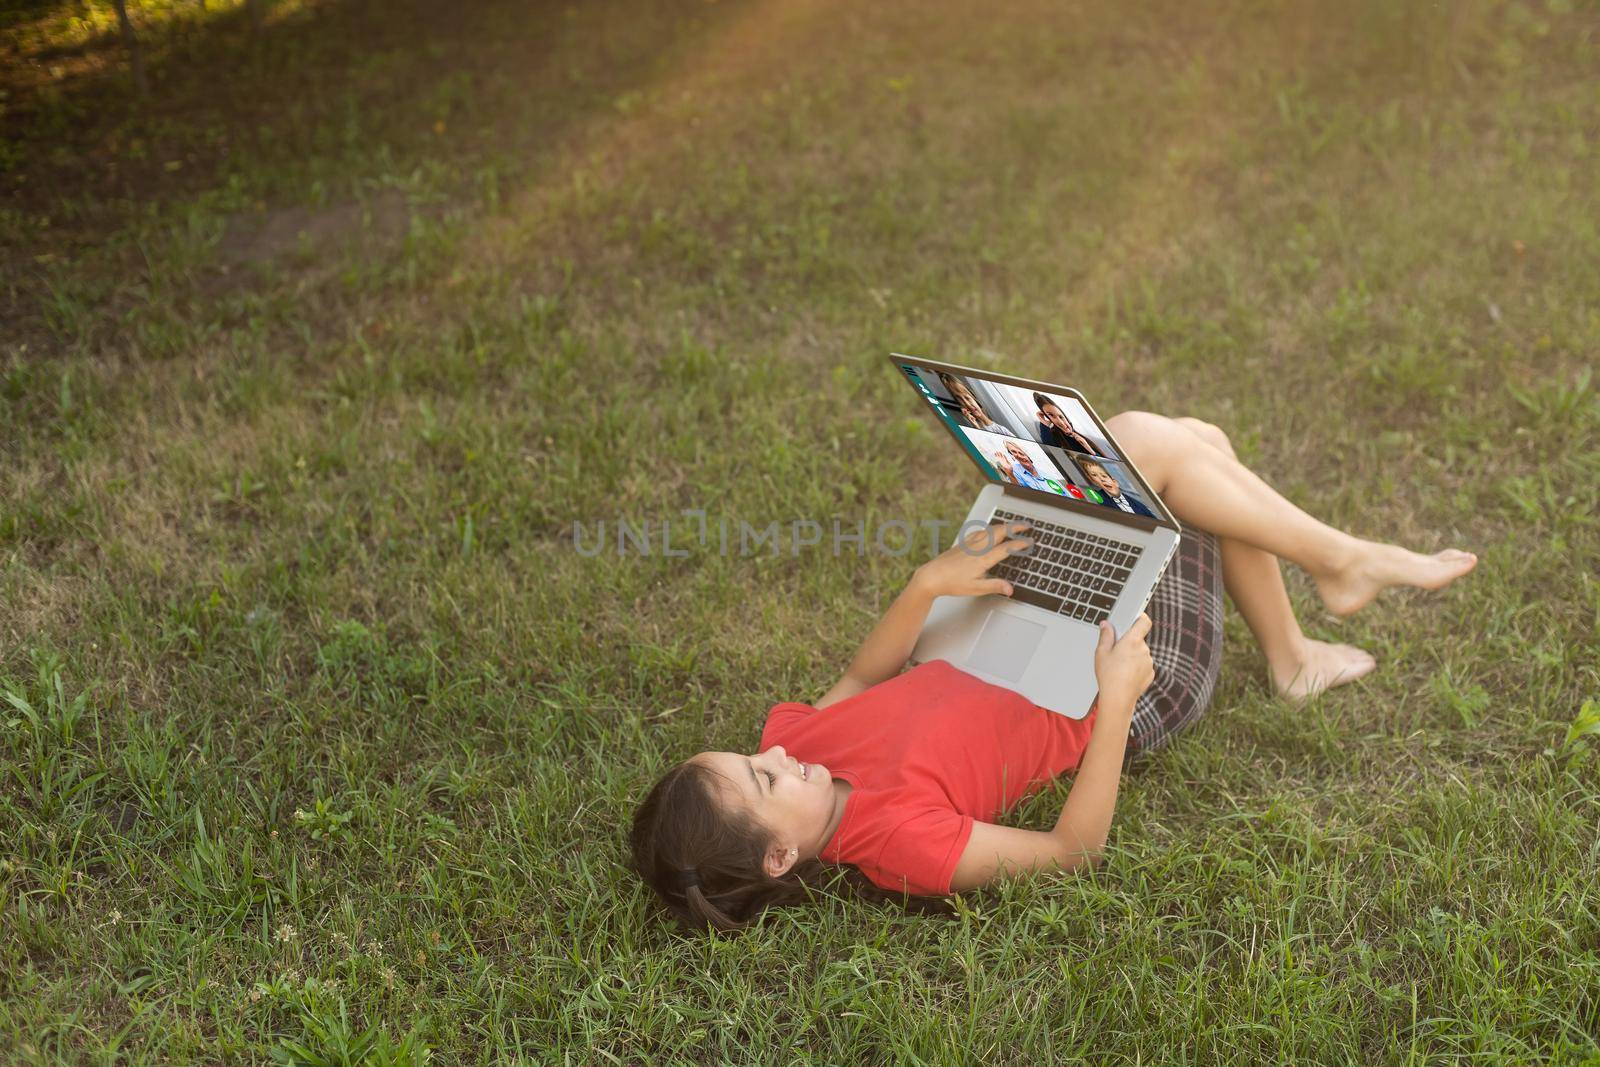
{"points": [[319, 737]]}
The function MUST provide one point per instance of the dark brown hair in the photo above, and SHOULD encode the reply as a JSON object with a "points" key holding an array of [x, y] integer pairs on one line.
{"points": [[705, 862]]}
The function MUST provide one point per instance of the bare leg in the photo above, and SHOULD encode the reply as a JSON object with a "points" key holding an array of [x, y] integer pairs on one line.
{"points": [[1299, 666], [1208, 488]]}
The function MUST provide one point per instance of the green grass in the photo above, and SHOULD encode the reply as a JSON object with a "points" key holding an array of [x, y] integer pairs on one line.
{"points": [[319, 737]]}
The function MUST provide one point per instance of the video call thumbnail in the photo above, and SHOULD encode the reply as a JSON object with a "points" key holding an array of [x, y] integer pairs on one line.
{"points": [[1018, 462], [1042, 441], [1107, 482]]}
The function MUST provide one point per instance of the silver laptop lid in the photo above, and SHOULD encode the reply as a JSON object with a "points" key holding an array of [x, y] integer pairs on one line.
{"points": [[1038, 440]]}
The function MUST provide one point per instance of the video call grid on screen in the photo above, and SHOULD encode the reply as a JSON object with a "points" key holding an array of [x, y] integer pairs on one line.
{"points": [[1034, 438]]}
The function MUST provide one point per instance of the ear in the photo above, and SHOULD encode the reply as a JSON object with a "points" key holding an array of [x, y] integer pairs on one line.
{"points": [[777, 861]]}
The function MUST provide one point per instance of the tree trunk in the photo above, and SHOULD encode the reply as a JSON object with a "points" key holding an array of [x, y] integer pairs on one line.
{"points": [[257, 14], [131, 43]]}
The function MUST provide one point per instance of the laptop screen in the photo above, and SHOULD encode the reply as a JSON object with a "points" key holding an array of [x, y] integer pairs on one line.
{"points": [[1035, 437]]}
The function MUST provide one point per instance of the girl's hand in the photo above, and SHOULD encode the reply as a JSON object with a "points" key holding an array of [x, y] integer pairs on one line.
{"points": [[1122, 665], [962, 570]]}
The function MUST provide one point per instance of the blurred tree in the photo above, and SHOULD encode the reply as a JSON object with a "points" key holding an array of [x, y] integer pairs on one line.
{"points": [[130, 41]]}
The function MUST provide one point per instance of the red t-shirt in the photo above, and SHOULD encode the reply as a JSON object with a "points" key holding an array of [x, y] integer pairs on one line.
{"points": [[927, 753]]}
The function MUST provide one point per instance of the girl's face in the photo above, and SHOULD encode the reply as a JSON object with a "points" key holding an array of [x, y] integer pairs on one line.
{"points": [[1103, 480], [793, 800], [1056, 417]]}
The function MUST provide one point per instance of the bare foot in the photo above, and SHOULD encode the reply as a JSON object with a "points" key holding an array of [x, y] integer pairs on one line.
{"points": [[1320, 666], [1374, 567]]}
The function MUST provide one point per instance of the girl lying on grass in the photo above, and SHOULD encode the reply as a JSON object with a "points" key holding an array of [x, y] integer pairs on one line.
{"points": [[900, 776]]}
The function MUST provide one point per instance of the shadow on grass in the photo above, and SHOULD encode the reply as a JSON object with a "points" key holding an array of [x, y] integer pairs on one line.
{"points": [[305, 118], [323, 79]]}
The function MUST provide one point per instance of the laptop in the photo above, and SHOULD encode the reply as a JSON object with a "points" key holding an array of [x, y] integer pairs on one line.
{"points": [[1101, 537]]}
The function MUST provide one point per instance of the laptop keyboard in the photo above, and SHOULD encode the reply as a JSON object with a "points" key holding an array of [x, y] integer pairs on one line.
{"points": [[1067, 571]]}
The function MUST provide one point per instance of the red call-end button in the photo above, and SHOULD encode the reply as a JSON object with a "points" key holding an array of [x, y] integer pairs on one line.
{"points": [[1074, 492]]}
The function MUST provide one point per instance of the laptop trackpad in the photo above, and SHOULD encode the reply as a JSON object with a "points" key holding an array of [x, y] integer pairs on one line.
{"points": [[1005, 645]]}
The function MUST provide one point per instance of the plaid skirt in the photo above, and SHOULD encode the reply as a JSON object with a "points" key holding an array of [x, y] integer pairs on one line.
{"points": [[1185, 643]]}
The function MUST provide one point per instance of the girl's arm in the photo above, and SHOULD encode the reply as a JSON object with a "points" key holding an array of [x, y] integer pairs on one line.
{"points": [[1125, 670], [958, 572]]}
